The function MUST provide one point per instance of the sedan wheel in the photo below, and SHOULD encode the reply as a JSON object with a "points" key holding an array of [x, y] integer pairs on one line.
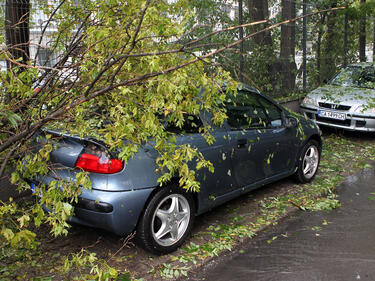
{"points": [[308, 162], [166, 221]]}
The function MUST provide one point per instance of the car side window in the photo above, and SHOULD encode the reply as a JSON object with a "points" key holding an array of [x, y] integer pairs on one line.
{"points": [[191, 125], [273, 113], [244, 112]]}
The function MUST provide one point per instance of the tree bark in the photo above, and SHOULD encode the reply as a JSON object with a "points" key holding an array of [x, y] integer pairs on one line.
{"points": [[258, 10], [17, 30], [328, 61], [362, 37], [287, 46]]}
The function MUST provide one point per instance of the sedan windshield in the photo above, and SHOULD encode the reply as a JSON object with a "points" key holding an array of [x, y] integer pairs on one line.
{"points": [[356, 76]]}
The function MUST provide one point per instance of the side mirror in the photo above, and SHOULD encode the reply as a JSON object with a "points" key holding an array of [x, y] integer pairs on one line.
{"points": [[291, 122]]}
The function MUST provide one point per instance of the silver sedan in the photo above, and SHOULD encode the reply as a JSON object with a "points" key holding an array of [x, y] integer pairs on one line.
{"points": [[347, 101]]}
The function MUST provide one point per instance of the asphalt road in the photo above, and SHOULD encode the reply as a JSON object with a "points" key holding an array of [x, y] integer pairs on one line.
{"points": [[337, 245]]}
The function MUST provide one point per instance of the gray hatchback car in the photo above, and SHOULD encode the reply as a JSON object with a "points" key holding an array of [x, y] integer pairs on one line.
{"points": [[260, 142]]}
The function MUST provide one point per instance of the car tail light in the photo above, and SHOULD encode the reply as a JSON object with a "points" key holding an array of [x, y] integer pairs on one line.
{"points": [[96, 164]]}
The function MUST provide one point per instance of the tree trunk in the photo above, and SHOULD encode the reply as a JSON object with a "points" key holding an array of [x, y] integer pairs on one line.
{"points": [[258, 10], [328, 67], [262, 50], [17, 30], [287, 46], [362, 37], [373, 44]]}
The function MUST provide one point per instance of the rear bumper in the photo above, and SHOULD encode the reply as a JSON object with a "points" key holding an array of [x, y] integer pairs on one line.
{"points": [[122, 220], [117, 212], [353, 122]]}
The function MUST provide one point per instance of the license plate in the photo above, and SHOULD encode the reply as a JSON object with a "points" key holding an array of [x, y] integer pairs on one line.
{"points": [[332, 114], [33, 190]]}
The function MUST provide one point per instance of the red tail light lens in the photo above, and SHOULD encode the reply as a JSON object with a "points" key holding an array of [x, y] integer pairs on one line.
{"points": [[103, 165]]}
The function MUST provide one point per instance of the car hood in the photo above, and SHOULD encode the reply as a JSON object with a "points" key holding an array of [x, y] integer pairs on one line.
{"points": [[343, 95]]}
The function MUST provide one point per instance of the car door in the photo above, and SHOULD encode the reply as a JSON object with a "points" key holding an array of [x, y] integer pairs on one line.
{"points": [[260, 144], [282, 141], [215, 184]]}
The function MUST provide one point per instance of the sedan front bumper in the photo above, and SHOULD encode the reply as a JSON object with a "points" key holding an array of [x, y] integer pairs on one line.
{"points": [[352, 122]]}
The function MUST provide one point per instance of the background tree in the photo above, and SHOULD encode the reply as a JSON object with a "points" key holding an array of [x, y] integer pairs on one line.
{"points": [[261, 58], [362, 36], [332, 37], [287, 47], [258, 10]]}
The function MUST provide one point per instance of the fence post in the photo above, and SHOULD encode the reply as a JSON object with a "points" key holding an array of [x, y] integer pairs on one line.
{"points": [[362, 36], [346, 30], [304, 35], [240, 14]]}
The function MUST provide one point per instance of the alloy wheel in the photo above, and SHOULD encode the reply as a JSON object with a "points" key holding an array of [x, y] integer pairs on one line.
{"points": [[310, 162], [171, 219]]}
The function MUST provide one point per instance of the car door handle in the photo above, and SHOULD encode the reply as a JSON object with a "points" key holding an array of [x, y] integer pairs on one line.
{"points": [[241, 143]]}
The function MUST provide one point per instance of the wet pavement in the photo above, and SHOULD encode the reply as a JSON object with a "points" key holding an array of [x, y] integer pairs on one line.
{"points": [[335, 245]]}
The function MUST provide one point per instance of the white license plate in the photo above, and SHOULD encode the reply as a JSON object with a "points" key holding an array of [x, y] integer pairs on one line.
{"points": [[332, 114]]}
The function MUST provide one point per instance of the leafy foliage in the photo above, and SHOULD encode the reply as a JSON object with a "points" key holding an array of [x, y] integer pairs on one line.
{"points": [[120, 67]]}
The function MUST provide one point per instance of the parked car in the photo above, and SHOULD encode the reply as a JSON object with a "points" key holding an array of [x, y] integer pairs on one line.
{"points": [[260, 142], [347, 101]]}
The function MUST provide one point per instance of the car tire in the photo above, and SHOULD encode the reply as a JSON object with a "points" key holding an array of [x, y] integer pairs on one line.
{"points": [[166, 221], [308, 162]]}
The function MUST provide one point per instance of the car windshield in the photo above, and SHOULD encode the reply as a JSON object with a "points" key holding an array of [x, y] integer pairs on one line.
{"points": [[356, 76]]}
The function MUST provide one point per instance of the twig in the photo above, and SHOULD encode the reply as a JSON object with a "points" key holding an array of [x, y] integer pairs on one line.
{"points": [[45, 28], [226, 29], [126, 241], [94, 244], [295, 204]]}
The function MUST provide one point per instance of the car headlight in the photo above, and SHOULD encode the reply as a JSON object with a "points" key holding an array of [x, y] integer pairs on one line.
{"points": [[309, 101], [365, 109]]}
